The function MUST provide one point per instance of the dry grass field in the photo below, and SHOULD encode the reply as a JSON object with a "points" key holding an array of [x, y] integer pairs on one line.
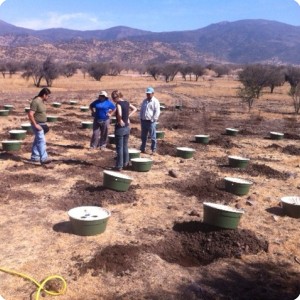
{"points": [[156, 245]]}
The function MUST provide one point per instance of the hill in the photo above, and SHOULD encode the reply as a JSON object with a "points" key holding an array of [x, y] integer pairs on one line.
{"points": [[245, 41]]}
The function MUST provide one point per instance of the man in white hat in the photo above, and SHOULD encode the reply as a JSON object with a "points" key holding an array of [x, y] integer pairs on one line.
{"points": [[102, 109], [149, 114]]}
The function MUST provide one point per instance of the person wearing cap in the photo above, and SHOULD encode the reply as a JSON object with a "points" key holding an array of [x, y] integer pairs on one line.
{"points": [[101, 109], [149, 114]]}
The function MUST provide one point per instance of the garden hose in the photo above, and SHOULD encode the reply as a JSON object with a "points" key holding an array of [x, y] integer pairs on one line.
{"points": [[42, 284]]}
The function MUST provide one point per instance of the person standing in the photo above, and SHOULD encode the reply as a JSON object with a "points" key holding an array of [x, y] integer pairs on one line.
{"points": [[38, 118], [102, 109], [149, 114], [122, 129]]}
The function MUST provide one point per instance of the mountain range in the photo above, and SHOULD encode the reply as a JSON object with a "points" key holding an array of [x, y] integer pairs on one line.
{"points": [[239, 42]]}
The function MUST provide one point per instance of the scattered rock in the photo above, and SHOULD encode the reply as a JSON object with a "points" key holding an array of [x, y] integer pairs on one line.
{"points": [[172, 173], [194, 213]]}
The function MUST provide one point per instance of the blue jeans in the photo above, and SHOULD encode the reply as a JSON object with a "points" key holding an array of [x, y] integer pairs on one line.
{"points": [[100, 133], [121, 137], [38, 151], [148, 128]]}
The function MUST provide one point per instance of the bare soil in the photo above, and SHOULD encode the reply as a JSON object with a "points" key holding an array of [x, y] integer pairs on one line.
{"points": [[156, 245]]}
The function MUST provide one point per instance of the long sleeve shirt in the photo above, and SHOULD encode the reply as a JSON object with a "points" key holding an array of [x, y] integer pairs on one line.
{"points": [[150, 110]]}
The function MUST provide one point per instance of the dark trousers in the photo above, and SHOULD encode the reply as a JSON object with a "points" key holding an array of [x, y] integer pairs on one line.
{"points": [[100, 133]]}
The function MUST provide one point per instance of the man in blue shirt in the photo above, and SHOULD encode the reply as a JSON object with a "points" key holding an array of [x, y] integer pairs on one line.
{"points": [[102, 109]]}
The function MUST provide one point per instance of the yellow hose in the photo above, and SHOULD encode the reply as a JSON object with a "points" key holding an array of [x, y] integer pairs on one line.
{"points": [[42, 284]]}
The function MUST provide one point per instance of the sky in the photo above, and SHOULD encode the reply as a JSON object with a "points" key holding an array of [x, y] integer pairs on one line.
{"points": [[151, 15]]}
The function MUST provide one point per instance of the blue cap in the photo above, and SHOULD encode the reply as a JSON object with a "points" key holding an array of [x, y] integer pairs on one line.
{"points": [[150, 90]]}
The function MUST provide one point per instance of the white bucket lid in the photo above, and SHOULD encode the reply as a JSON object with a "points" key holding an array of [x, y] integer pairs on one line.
{"points": [[117, 174], [232, 129], [87, 122], [237, 157], [141, 159], [202, 135], [276, 133], [73, 101], [89, 213], [223, 207], [238, 180], [57, 103], [111, 135], [11, 142], [132, 150], [25, 124], [291, 200], [8, 105], [17, 131], [157, 131], [84, 107], [3, 110], [186, 149], [51, 116]]}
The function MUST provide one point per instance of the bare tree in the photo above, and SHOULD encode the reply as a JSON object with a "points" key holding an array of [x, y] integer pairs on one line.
{"points": [[186, 70], [295, 94], [97, 70], [33, 69], [114, 69], [169, 71], [274, 77], [153, 70], [51, 71], [12, 67], [3, 68], [69, 69], [292, 76], [198, 71]]}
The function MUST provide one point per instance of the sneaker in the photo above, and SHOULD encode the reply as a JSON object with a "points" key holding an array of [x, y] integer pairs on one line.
{"points": [[46, 161], [32, 162]]}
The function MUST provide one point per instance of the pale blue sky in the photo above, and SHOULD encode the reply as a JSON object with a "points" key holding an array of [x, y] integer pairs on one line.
{"points": [[153, 15]]}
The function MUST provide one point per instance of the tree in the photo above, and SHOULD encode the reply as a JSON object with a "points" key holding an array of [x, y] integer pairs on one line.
{"points": [[153, 70], [292, 76], [254, 78], [33, 69], [51, 71], [274, 77], [169, 71], [12, 67], [3, 68], [186, 70], [198, 71], [296, 98], [114, 69], [97, 70], [69, 69]]}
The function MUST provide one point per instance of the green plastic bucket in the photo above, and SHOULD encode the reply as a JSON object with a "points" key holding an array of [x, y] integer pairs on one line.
{"points": [[8, 107], [276, 135], [11, 145], [221, 215], [141, 164], [52, 118], [4, 112], [202, 138], [17, 134], [112, 139], [238, 162], [88, 220], [84, 108], [160, 134], [113, 120], [73, 102], [178, 106], [87, 124], [231, 131], [185, 152], [134, 153], [237, 186], [162, 107], [291, 206], [116, 181], [56, 104], [27, 109], [27, 127]]}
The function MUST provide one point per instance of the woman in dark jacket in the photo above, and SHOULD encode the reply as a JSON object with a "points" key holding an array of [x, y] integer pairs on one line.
{"points": [[122, 128]]}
